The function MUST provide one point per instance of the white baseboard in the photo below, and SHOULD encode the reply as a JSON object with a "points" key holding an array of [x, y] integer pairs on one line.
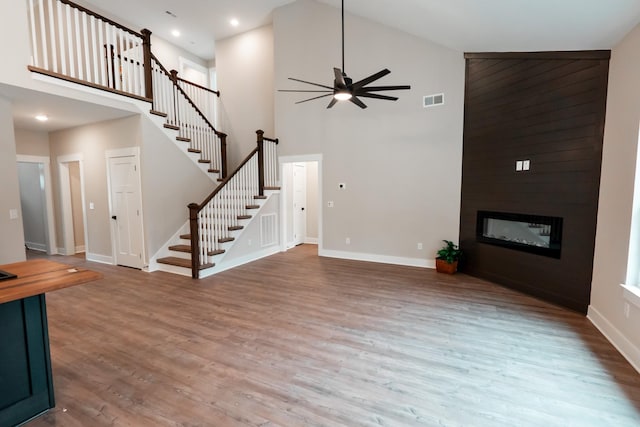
{"points": [[383, 259], [311, 241], [79, 249], [619, 341], [102, 259], [40, 247]]}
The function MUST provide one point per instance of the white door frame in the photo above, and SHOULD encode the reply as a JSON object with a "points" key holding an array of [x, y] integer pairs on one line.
{"points": [[50, 225], [304, 158], [68, 245], [125, 152]]}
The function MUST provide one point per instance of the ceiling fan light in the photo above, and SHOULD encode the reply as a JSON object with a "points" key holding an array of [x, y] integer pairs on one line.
{"points": [[342, 95]]}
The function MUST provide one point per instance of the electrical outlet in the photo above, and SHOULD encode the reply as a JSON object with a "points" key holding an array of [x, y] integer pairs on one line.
{"points": [[518, 165], [330, 204], [526, 164], [347, 240], [419, 246], [626, 310], [13, 213]]}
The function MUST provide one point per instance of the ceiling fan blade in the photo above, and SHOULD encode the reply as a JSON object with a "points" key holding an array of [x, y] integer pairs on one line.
{"points": [[297, 90], [310, 83], [376, 96], [371, 78], [332, 103], [315, 97], [381, 88], [340, 83], [358, 102]]}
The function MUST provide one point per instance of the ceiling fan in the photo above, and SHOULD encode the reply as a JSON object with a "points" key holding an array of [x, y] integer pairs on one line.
{"points": [[344, 89]]}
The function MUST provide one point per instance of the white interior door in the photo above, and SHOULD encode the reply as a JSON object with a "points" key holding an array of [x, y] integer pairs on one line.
{"points": [[126, 210], [299, 203]]}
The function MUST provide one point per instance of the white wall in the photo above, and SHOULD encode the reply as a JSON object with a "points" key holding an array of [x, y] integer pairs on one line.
{"points": [[91, 141], [615, 209], [170, 181], [244, 66], [12, 243], [32, 143], [401, 163]]}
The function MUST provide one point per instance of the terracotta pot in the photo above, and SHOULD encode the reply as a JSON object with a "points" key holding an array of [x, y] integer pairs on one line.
{"points": [[443, 266]]}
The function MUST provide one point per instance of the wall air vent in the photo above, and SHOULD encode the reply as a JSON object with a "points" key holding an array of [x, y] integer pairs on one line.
{"points": [[268, 229], [433, 100]]}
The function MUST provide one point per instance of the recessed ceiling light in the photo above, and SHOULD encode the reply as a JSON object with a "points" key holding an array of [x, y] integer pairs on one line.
{"points": [[175, 33], [42, 118], [234, 22]]}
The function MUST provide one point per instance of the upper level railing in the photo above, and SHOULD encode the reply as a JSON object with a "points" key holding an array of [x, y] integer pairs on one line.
{"points": [[213, 220], [71, 42]]}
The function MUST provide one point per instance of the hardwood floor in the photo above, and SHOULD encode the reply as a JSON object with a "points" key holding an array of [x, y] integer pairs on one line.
{"points": [[299, 340]]}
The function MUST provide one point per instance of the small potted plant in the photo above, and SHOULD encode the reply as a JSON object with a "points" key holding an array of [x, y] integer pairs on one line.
{"points": [[448, 256]]}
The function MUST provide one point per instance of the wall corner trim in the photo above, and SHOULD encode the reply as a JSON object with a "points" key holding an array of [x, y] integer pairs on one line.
{"points": [[628, 350]]}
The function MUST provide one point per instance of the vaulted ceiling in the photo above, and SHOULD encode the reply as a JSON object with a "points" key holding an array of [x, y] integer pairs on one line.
{"points": [[464, 25]]}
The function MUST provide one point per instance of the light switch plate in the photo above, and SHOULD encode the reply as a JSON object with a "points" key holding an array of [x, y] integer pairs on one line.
{"points": [[13, 213], [518, 165], [526, 164]]}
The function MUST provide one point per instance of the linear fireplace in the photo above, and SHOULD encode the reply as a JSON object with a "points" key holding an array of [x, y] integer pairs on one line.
{"points": [[537, 234]]}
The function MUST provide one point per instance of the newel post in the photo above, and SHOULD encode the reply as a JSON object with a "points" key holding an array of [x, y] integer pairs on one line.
{"points": [[148, 72], [223, 154], [195, 240], [260, 134]]}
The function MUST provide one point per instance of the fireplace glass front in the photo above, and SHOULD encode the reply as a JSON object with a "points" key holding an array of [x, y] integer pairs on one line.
{"points": [[530, 233]]}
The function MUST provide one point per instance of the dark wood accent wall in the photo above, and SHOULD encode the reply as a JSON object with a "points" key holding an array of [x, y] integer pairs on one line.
{"points": [[549, 108]]}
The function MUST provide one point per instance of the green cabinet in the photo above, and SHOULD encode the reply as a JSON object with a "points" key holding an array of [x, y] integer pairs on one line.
{"points": [[26, 387]]}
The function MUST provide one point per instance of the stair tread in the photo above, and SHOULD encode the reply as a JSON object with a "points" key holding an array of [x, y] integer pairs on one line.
{"points": [[236, 227], [181, 262], [252, 206], [180, 248], [244, 216], [158, 113], [183, 139], [260, 197], [185, 236], [204, 161], [226, 239], [168, 126], [214, 171], [272, 188], [194, 150]]}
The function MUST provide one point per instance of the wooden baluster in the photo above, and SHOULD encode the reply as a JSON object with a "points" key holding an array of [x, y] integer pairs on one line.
{"points": [[146, 52], [260, 134], [63, 62], [195, 239], [223, 154]]}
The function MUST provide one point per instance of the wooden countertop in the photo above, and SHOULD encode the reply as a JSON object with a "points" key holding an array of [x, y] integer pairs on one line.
{"points": [[39, 276]]}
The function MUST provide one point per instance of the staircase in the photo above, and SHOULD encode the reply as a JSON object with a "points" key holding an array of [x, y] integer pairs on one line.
{"points": [[216, 223], [72, 43]]}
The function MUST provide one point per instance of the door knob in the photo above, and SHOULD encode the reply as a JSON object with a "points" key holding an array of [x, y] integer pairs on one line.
{"points": [[114, 217], [302, 208]]}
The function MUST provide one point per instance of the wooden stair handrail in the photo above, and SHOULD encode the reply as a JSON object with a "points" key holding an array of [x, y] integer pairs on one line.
{"points": [[224, 181], [217, 92], [102, 18], [173, 79]]}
